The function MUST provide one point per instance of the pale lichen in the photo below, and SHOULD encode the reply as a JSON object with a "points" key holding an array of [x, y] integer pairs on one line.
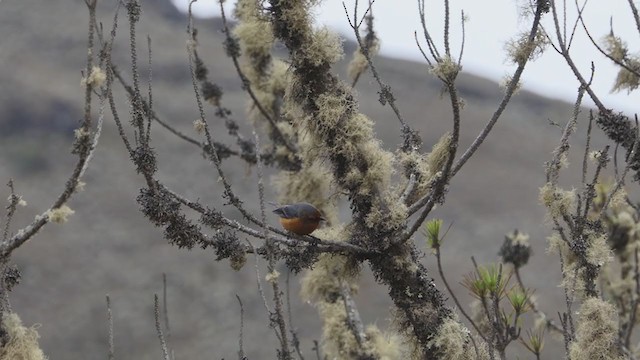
{"points": [[277, 82], [616, 47], [325, 47], [557, 200], [598, 252], [60, 215], [447, 69], [22, 341], [505, 82], [454, 341], [310, 184], [199, 126], [596, 332], [416, 164], [385, 346], [520, 50], [359, 63], [272, 276], [97, 77], [628, 80], [326, 277], [338, 340], [439, 153]]}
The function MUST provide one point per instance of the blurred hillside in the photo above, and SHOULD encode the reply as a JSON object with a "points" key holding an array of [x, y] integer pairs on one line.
{"points": [[107, 247]]}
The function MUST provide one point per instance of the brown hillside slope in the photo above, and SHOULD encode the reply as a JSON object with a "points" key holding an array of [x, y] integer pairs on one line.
{"points": [[108, 247]]}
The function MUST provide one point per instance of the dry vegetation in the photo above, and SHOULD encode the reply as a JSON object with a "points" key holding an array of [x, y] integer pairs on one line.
{"points": [[305, 127]]}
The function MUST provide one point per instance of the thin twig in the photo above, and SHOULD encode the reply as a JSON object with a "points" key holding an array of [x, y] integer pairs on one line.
{"points": [[602, 51], [636, 16], [628, 353], [458, 305], [447, 45], [261, 288], [137, 115], [570, 330], [214, 156], [316, 348], [498, 324], [437, 193], [430, 43], [288, 239], [564, 52], [165, 311], [294, 333], [241, 355], [156, 314], [386, 95], [259, 280], [429, 200], [492, 335], [564, 20], [634, 303], [219, 147], [149, 93], [424, 54], [409, 189], [464, 36], [271, 261], [11, 209], [554, 166], [453, 296], [586, 149], [353, 315], [86, 148], [548, 321], [110, 329], [511, 88], [370, 40], [575, 23], [620, 180], [247, 86]]}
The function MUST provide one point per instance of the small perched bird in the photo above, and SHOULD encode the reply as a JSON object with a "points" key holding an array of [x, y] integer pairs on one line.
{"points": [[300, 218]]}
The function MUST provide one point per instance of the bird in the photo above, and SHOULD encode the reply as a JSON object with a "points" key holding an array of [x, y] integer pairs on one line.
{"points": [[299, 218]]}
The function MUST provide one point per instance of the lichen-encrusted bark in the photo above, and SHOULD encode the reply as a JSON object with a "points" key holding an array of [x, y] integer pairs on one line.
{"points": [[326, 107]]}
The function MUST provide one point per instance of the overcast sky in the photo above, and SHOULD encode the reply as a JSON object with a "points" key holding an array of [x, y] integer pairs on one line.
{"points": [[491, 24]]}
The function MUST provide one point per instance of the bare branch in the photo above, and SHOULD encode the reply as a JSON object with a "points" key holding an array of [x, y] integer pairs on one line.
{"points": [[464, 35], [353, 315], [110, 327], [622, 64], [84, 147], [430, 43], [11, 209], [246, 84], [511, 88], [241, 355], [165, 311], [386, 94], [156, 314], [634, 11], [409, 189], [457, 302], [271, 263]]}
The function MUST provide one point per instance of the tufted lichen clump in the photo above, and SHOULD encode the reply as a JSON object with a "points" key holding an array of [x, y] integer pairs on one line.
{"points": [[326, 109], [455, 342], [596, 332], [22, 341]]}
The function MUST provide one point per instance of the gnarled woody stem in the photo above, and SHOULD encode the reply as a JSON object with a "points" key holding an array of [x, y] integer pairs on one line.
{"points": [[359, 168]]}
